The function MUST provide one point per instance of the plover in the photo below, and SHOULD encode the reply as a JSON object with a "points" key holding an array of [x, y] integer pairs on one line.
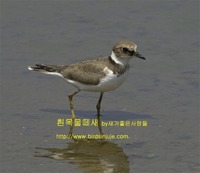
{"points": [[95, 75]]}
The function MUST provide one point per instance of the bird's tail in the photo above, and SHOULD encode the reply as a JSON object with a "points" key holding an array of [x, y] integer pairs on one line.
{"points": [[47, 69]]}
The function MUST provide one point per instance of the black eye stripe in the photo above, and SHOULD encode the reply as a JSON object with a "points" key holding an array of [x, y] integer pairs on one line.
{"points": [[125, 50], [132, 52]]}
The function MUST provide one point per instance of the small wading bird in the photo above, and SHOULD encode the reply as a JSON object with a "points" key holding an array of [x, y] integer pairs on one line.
{"points": [[95, 75]]}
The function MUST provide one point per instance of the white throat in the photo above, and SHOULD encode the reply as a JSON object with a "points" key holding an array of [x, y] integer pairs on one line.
{"points": [[119, 60]]}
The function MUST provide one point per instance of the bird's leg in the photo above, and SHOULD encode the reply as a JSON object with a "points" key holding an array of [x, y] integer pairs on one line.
{"points": [[70, 134], [98, 106], [72, 112], [71, 104]]}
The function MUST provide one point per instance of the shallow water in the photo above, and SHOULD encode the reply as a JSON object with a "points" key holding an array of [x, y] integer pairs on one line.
{"points": [[162, 91]]}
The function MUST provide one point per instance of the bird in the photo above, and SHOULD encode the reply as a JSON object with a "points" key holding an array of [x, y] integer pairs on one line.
{"points": [[101, 75]]}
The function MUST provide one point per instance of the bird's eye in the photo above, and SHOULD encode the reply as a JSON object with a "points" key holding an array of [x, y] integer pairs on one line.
{"points": [[125, 50]]}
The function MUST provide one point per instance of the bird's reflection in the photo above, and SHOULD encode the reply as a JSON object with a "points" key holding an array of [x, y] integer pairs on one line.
{"points": [[90, 155]]}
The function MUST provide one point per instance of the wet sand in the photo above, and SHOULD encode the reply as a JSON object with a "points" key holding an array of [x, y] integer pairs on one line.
{"points": [[162, 91]]}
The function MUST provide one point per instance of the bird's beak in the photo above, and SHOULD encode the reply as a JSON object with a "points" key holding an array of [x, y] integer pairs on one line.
{"points": [[139, 55]]}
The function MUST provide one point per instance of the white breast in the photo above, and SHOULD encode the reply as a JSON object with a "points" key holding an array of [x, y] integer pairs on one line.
{"points": [[111, 81]]}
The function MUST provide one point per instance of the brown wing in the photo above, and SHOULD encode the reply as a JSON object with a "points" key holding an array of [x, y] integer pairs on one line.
{"points": [[86, 72]]}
